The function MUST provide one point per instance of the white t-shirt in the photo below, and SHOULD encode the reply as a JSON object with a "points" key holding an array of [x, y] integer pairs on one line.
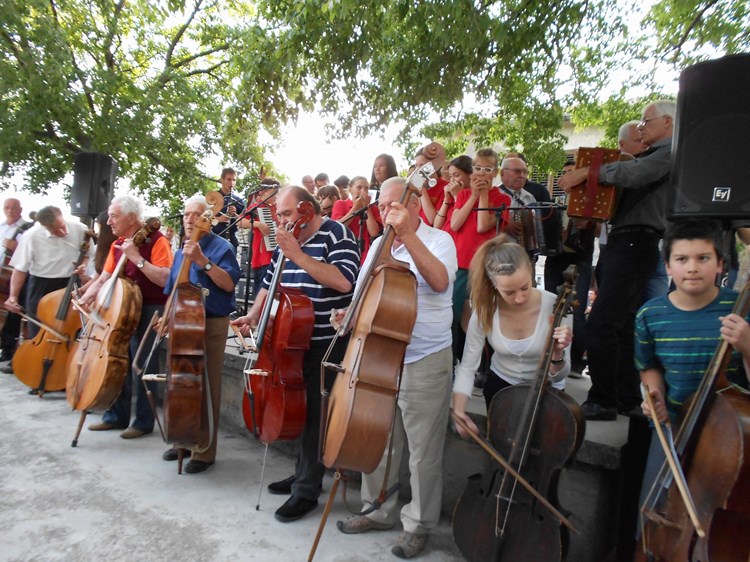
{"points": [[43, 254], [515, 365]]}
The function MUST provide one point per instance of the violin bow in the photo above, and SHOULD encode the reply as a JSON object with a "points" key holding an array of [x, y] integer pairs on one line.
{"points": [[490, 450], [673, 463]]}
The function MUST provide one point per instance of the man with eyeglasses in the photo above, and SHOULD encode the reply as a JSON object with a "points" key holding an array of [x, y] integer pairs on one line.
{"points": [[513, 176], [630, 260]]}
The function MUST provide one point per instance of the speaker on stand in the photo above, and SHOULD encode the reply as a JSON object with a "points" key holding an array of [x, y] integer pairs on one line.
{"points": [[94, 176]]}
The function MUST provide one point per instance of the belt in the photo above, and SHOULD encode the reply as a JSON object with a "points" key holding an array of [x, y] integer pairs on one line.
{"points": [[635, 229]]}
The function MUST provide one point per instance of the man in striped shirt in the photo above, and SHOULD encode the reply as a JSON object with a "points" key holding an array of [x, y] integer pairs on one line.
{"points": [[322, 262]]}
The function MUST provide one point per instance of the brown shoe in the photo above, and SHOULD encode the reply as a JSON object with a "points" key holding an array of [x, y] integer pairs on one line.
{"points": [[409, 545], [132, 433], [361, 524], [104, 426]]}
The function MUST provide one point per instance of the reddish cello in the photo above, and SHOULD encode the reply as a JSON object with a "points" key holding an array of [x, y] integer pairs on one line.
{"points": [[713, 447], [538, 429], [274, 405]]}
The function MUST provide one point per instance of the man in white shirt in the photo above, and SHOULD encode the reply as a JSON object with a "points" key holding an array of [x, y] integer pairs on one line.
{"points": [[422, 412], [46, 254]]}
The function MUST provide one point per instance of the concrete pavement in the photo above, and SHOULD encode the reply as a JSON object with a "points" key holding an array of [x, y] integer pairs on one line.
{"points": [[115, 499]]}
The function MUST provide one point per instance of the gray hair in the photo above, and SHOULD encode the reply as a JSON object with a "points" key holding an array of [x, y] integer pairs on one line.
{"points": [[397, 181], [624, 133], [200, 199], [664, 108], [129, 204]]}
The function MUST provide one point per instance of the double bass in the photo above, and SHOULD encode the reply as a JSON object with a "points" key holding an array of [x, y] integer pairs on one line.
{"points": [[188, 416], [101, 362], [42, 362], [362, 401], [713, 449], [274, 404], [538, 429]]}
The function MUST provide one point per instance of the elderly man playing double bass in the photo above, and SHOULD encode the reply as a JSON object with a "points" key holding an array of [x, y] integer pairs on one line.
{"points": [[214, 267], [422, 413], [148, 267]]}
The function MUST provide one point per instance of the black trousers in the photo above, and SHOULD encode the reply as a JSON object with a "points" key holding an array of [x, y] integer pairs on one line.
{"points": [[625, 268], [36, 288]]}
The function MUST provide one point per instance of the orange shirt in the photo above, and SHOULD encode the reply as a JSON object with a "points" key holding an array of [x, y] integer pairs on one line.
{"points": [[161, 255]]}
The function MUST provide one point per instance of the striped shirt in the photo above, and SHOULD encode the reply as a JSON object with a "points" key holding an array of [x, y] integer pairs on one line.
{"points": [[333, 244], [681, 344]]}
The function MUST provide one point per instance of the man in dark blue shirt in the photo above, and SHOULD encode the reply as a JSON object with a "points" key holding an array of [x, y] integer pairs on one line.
{"points": [[214, 268]]}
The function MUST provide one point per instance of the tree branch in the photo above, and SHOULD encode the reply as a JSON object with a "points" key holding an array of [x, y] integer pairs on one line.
{"points": [[78, 72], [698, 17], [179, 34], [191, 58]]}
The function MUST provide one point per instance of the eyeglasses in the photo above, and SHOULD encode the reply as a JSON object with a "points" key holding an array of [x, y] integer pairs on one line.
{"points": [[483, 169], [520, 171], [644, 122]]}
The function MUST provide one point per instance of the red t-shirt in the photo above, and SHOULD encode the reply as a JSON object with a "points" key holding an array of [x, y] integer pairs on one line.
{"points": [[436, 195], [261, 254], [342, 207], [467, 238]]}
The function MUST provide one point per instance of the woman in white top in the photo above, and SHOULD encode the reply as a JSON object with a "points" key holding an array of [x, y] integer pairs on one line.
{"points": [[515, 318]]}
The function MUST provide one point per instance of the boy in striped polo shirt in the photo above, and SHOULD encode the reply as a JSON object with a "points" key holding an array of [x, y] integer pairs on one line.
{"points": [[677, 334]]}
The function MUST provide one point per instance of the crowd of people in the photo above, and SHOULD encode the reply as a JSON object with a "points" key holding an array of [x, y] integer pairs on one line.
{"points": [[471, 237]]}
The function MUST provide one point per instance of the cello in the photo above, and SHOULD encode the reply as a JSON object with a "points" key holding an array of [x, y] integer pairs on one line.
{"points": [[42, 362], [363, 398], [187, 415], [539, 430], [274, 404], [713, 449], [100, 364]]}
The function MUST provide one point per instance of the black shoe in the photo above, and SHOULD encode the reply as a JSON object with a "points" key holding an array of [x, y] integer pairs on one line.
{"points": [[8, 369], [195, 466], [173, 454], [6, 356], [282, 487], [596, 412], [295, 508]]}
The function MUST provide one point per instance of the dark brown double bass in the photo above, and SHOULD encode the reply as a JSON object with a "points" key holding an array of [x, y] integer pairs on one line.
{"points": [[538, 430], [274, 404], [42, 362], [188, 415], [99, 366], [713, 448]]}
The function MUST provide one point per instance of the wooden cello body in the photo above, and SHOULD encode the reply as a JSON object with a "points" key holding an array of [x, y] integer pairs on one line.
{"points": [[538, 429], [280, 397], [42, 362], [274, 404], [478, 531], [362, 401], [713, 446], [101, 361]]}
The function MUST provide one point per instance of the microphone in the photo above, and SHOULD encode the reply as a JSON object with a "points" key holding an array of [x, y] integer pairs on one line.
{"points": [[261, 188]]}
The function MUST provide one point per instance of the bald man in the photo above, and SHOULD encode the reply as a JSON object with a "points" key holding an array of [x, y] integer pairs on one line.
{"points": [[10, 229]]}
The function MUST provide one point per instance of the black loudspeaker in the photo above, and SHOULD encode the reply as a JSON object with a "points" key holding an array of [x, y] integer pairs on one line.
{"points": [[94, 176], [709, 178]]}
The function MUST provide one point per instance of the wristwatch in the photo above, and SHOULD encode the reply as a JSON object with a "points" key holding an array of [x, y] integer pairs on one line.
{"points": [[208, 267], [141, 263]]}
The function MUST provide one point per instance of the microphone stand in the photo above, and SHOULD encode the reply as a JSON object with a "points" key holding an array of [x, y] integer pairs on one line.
{"points": [[498, 211], [248, 214]]}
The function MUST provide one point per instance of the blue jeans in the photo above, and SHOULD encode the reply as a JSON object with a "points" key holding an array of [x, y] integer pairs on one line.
{"points": [[119, 413]]}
